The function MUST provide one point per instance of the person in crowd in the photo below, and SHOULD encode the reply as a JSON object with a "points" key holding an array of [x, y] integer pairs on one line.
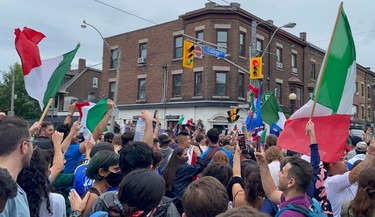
{"points": [[363, 204], [223, 172], [340, 181], [117, 143], [353, 141], [178, 173], [213, 136], [108, 137], [271, 140], [45, 134], [200, 124], [16, 150], [136, 196], [166, 150], [8, 188], [172, 143], [220, 157], [184, 141], [127, 138], [243, 211], [205, 197], [34, 179], [104, 169], [156, 157], [360, 153], [274, 156], [81, 182], [294, 179], [201, 140]]}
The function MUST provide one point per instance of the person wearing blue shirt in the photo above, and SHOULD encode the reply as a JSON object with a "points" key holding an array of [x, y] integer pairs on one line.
{"points": [[213, 136]]}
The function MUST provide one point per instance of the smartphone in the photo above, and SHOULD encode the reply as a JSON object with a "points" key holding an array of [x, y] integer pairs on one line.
{"points": [[155, 113], [241, 141]]}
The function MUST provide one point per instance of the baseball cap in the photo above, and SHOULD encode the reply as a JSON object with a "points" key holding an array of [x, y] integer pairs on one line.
{"points": [[163, 138], [361, 147]]}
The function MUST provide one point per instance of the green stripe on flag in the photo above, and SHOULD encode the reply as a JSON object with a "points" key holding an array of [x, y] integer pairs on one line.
{"points": [[96, 114], [338, 61], [58, 75], [270, 110]]}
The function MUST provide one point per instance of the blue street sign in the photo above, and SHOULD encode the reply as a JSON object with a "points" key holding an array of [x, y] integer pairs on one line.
{"points": [[213, 52]]}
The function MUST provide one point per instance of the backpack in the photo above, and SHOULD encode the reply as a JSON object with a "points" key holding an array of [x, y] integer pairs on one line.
{"points": [[166, 209], [314, 211]]}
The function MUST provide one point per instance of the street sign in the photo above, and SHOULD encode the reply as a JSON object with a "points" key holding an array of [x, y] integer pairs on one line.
{"points": [[198, 52], [213, 52]]}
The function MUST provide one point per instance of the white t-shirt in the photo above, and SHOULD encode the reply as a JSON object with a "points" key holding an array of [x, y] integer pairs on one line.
{"points": [[57, 206], [339, 190], [274, 170]]}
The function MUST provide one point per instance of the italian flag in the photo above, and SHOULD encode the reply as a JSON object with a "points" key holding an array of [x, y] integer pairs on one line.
{"points": [[42, 77], [272, 113], [91, 114], [184, 121], [334, 99]]}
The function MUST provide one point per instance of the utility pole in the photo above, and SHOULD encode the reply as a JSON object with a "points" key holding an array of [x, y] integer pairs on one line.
{"points": [[11, 112]]}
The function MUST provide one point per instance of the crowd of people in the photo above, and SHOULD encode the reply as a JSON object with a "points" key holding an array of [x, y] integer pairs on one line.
{"points": [[48, 170]]}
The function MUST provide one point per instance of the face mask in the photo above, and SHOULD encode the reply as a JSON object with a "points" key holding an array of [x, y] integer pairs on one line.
{"points": [[114, 179]]}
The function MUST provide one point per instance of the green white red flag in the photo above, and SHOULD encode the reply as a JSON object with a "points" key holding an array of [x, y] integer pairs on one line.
{"points": [[334, 94], [42, 77], [91, 114]]}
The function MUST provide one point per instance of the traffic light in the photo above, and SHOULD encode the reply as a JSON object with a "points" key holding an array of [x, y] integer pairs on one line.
{"points": [[188, 55], [256, 68], [233, 115]]}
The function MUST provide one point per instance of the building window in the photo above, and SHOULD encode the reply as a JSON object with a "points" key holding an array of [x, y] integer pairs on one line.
{"points": [[362, 90], [114, 58], [363, 111], [355, 111], [242, 44], [298, 92], [198, 84], [141, 89], [312, 76], [294, 60], [259, 46], [177, 85], [279, 93], [368, 92], [221, 82], [356, 88], [178, 43], [279, 54], [222, 40], [112, 89], [143, 50], [199, 35], [95, 82], [241, 80], [369, 113]]}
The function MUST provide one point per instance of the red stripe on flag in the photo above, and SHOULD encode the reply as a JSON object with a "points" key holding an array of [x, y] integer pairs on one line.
{"points": [[80, 105], [255, 91], [27, 48], [331, 135]]}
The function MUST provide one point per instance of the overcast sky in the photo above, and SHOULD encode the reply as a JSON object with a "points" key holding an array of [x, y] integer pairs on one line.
{"points": [[61, 22]]}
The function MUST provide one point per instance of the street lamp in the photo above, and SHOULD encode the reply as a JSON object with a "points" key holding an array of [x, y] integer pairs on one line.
{"points": [[292, 98], [288, 25], [83, 26]]}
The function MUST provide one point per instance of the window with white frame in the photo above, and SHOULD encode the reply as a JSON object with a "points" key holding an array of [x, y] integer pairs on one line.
{"points": [[242, 51], [114, 58], [222, 40], [95, 82], [355, 111], [143, 50], [177, 85], [198, 84], [142, 89], [279, 54], [221, 83], [178, 44], [294, 60]]}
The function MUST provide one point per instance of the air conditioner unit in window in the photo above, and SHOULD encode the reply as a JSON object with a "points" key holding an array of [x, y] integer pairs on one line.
{"points": [[279, 65], [294, 70], [141, 60]]}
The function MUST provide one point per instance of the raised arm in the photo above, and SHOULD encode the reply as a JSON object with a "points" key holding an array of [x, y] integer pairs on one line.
{"points": [[73, 130], [99, 129], [269, 185], [72, 109], [157, 127], [237, 189], [58, 158], [148, 136]]}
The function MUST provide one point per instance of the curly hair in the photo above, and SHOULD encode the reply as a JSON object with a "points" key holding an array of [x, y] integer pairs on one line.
{"points": [[33, 179], [363, 203], [8, 186]]}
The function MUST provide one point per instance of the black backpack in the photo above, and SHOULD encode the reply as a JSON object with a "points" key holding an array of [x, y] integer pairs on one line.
{"points": [[166, 209]]}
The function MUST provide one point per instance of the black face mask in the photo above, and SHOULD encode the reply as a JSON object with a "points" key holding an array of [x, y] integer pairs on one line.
{"points": [[114, 179]]}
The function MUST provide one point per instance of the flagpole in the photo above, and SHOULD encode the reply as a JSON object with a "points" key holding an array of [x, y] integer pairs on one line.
{"points": [[325, 63], [45, 110]]}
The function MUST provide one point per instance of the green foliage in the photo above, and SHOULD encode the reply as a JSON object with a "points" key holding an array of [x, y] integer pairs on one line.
{"points": [[24, 106]]}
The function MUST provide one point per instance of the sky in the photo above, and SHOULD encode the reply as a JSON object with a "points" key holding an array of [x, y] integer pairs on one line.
{"points": [[61, 22]]}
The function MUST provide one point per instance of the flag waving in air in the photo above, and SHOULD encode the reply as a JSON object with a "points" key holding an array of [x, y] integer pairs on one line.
{"points": [[334, 99], [272, 113], [254, 118], [42, 77]]}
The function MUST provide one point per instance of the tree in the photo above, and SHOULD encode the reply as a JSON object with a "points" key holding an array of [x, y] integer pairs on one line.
{"points": [[24, 106]]}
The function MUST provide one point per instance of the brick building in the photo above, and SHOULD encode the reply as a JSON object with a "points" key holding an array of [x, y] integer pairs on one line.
{"points": [[151, 75]]}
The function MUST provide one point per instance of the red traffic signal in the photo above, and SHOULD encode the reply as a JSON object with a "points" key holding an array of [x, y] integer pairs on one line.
{"points": [[255, 63]]}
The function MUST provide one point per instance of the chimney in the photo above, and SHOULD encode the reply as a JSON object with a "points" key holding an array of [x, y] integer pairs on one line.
{"points": [[81, 64], [302, 35], [210, 5], [235, 5]]}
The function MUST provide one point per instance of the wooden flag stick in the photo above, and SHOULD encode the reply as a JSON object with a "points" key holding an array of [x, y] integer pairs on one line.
{"points": [[324, 65], [45, 110]]}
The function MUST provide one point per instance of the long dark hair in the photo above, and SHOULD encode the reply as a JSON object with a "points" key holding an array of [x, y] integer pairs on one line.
{"points": [[169, 173], [140, 190], [34, 181], [253, 188], [363, 203]]}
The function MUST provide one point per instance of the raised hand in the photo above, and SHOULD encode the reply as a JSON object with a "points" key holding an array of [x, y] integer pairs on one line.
{"points": [[57, 138], [72, 108]]}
